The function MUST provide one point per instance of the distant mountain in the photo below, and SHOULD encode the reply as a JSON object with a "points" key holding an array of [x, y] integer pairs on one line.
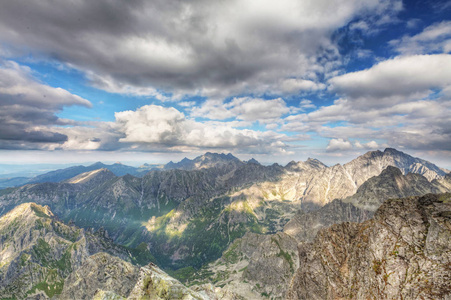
{"points": [[391, 183], [402, 253], [117, 169], [207, 160], [372, 163], [317, 187], [13, 182], [189, 217], [309, 164]]}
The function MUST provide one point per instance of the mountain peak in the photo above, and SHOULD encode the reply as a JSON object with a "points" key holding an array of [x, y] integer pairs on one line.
{"points": [[207, 160], [98, 164], [379, 160], [24, 214], [391, 170], [86, 177], [393, 151], [309, 164], [253, 161]]}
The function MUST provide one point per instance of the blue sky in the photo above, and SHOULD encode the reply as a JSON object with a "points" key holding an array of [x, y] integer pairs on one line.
{"points": [[153, 81]]}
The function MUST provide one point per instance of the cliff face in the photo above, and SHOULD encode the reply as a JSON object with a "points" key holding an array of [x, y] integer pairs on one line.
{"points": [[255, 266], [404, 252]]}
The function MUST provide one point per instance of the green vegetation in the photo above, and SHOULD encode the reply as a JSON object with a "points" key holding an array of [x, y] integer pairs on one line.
{"points": [[41, 253], [182, 274], [231, 256], [284, 254], [39, 211], [207, 234], [51, 286], [141, 255], [377, 267], [49, 289], [23, 259]]}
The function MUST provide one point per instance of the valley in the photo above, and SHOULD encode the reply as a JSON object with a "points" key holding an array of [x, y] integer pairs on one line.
{"points": [[226, 228]]}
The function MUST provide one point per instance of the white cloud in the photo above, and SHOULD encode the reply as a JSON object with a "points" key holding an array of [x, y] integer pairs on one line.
{"points": [[153, 127], [243, 108], [434, 38], [338, 145], [306, 104], [394, 80], [370, 145], [294, 86], [402, 102], [17, 86]]}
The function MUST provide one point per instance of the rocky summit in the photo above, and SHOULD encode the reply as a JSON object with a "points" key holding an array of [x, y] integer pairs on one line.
{"points": [[404, 252]]}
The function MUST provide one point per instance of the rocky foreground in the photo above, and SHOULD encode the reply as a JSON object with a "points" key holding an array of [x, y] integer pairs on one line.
{"points": [[404, 252]]}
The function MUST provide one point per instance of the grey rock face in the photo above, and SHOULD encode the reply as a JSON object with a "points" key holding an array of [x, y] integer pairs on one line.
{"points": [[100, 271], [404, 252], [304, 226], [153, 283], [254, 266], [391, 183], [372, 163], [208, 160]]}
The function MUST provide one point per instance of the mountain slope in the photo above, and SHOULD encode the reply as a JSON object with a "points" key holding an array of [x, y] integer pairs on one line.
{"points": [[402, 253], [60, 175], [372, 163], [391, 183], [187, 218], [44, 258], [37, 251]]}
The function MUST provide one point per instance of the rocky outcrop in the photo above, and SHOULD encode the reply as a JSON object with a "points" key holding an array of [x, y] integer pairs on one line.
{"points": [[254, 266], [404, 252], [100, 271], [391, 183], [208, 160], [153, 283], [372, 163], [305, 225], [43, 258]]}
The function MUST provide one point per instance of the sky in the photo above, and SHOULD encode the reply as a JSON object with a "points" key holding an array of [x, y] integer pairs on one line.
{"points": [[152, 81]]}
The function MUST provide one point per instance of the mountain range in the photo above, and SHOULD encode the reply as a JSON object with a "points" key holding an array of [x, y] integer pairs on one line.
{"points": [[211, 220]]}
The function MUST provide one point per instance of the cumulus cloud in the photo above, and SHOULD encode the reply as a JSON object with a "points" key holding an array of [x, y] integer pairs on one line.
{"points": [[396, 80], [294, 86], [213, 49], [28, 107], [338, 145], [153, 127], [435, 38], [243, 108], [403, 102], [370, 145]]}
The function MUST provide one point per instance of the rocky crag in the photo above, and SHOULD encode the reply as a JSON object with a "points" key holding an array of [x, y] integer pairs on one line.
{"points": [[303, 227], [404, 252]]}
